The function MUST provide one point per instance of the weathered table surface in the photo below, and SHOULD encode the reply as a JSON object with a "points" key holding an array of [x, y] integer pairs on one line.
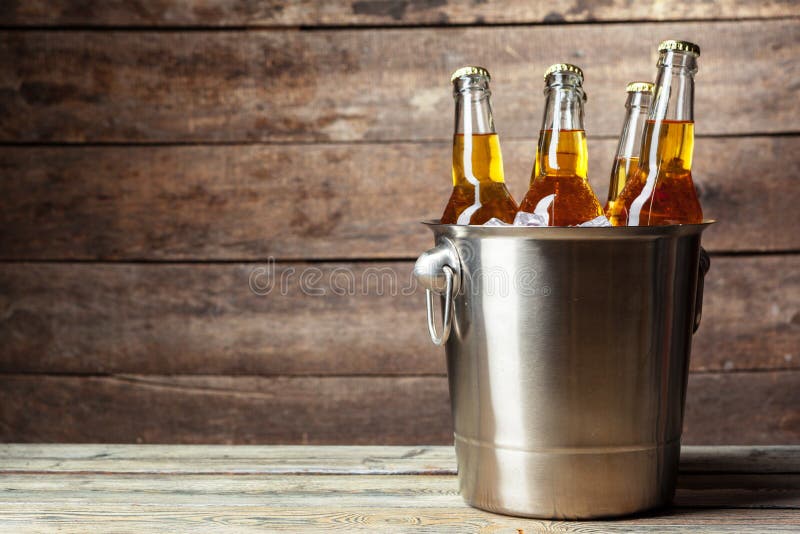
{"points": [[173, 488]]}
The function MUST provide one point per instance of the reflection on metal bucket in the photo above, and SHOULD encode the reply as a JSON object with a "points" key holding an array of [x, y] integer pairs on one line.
{"points": [[567, 357]]}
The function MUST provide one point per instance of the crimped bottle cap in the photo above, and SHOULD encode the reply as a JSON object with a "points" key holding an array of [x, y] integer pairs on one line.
{"points": [[471, 70], [639, 87], [681, 46], [563, 67]]}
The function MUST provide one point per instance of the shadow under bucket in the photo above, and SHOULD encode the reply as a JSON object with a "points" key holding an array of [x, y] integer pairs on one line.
{"points": [[567, 358]]}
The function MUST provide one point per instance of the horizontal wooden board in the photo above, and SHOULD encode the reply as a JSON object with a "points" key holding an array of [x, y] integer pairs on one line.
{"points": [[49, 458], [734, 491], [203, 409], [751, 309], [79, 488], [735, 408], [368, 492], [206, 319], [175, 460], [354, 85], [221, 13], [740, 459], [716, 411], [326, 201], [82, 517]]}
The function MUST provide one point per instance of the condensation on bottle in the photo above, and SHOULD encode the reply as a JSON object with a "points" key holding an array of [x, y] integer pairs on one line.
{"points": [[626, 160], [479, 189], [662, 191], [559, 177]]}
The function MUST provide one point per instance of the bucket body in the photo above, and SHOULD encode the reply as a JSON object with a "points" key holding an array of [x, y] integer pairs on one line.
{"points": [[567, 357]]}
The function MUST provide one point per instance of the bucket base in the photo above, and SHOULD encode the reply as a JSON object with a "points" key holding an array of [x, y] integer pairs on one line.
{"points": [[567, 483]]}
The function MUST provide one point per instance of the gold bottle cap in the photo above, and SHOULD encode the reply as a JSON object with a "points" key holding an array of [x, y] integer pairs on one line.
{"points": [[639, 87], [563, 67], [681, 46], [467, 71]]}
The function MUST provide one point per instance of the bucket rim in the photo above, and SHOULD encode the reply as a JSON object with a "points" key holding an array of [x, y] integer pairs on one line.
{"points": [[569, 232]]}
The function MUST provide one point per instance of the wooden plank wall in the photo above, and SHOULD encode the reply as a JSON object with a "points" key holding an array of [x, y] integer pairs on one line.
{"points": [[155, 156]]}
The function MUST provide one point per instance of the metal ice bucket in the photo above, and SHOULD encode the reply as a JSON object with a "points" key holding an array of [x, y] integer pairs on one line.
{"points": [[567, 357]]}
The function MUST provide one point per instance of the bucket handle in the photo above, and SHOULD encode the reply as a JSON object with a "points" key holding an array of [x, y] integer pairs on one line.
{"points": [[438, 270], [447, 319], [704, 266]]}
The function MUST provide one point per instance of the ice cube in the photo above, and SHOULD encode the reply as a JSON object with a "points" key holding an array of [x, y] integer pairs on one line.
{"points": [[539, 217], [494, 221], [597, 222], [524, 218]]}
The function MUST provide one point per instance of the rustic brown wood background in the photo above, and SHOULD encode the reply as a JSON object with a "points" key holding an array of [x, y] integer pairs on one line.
{"points": [[156, 154]]}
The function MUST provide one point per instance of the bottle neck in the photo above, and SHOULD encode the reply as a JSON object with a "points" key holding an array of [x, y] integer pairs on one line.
{"points": [[562, 140], [674, 87], [630, 140], [473, 106], [668, 138], [564, 99], [476, 149]]}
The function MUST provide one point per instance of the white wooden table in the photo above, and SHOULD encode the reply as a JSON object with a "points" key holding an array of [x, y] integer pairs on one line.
{"points": [[175, 488]]}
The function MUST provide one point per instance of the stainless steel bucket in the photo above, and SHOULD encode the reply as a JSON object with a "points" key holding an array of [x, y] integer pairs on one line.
{"points": [[567, 358]]}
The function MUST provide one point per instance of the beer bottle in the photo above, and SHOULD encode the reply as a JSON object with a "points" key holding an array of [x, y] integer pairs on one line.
{"points": [[661, 191], [630, 140], [479, 189], [559, 186]]}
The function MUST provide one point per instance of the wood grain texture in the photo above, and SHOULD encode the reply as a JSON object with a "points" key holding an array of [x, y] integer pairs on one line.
{"points": [[737, 408], [299, 503], [751, 310], [216, 409], [122, 86], [78, 518], [272, 459], [369, 12], [44, 458], [365, 492], [751, 490], [719, 405], [325, 201], [206, 319], [740, 459], [83, 488]]}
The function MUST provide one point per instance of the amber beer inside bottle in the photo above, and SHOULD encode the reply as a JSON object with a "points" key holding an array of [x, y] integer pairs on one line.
{"points": [[479, 189], [487, 198], [559, 185], [661, 191], [626, 161], [673, 199], [623, 167]]}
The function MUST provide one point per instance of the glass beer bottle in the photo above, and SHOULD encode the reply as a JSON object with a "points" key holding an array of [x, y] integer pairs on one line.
{"points": [[479, 189], [661, 191], [630, 140], [559, 186]]}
